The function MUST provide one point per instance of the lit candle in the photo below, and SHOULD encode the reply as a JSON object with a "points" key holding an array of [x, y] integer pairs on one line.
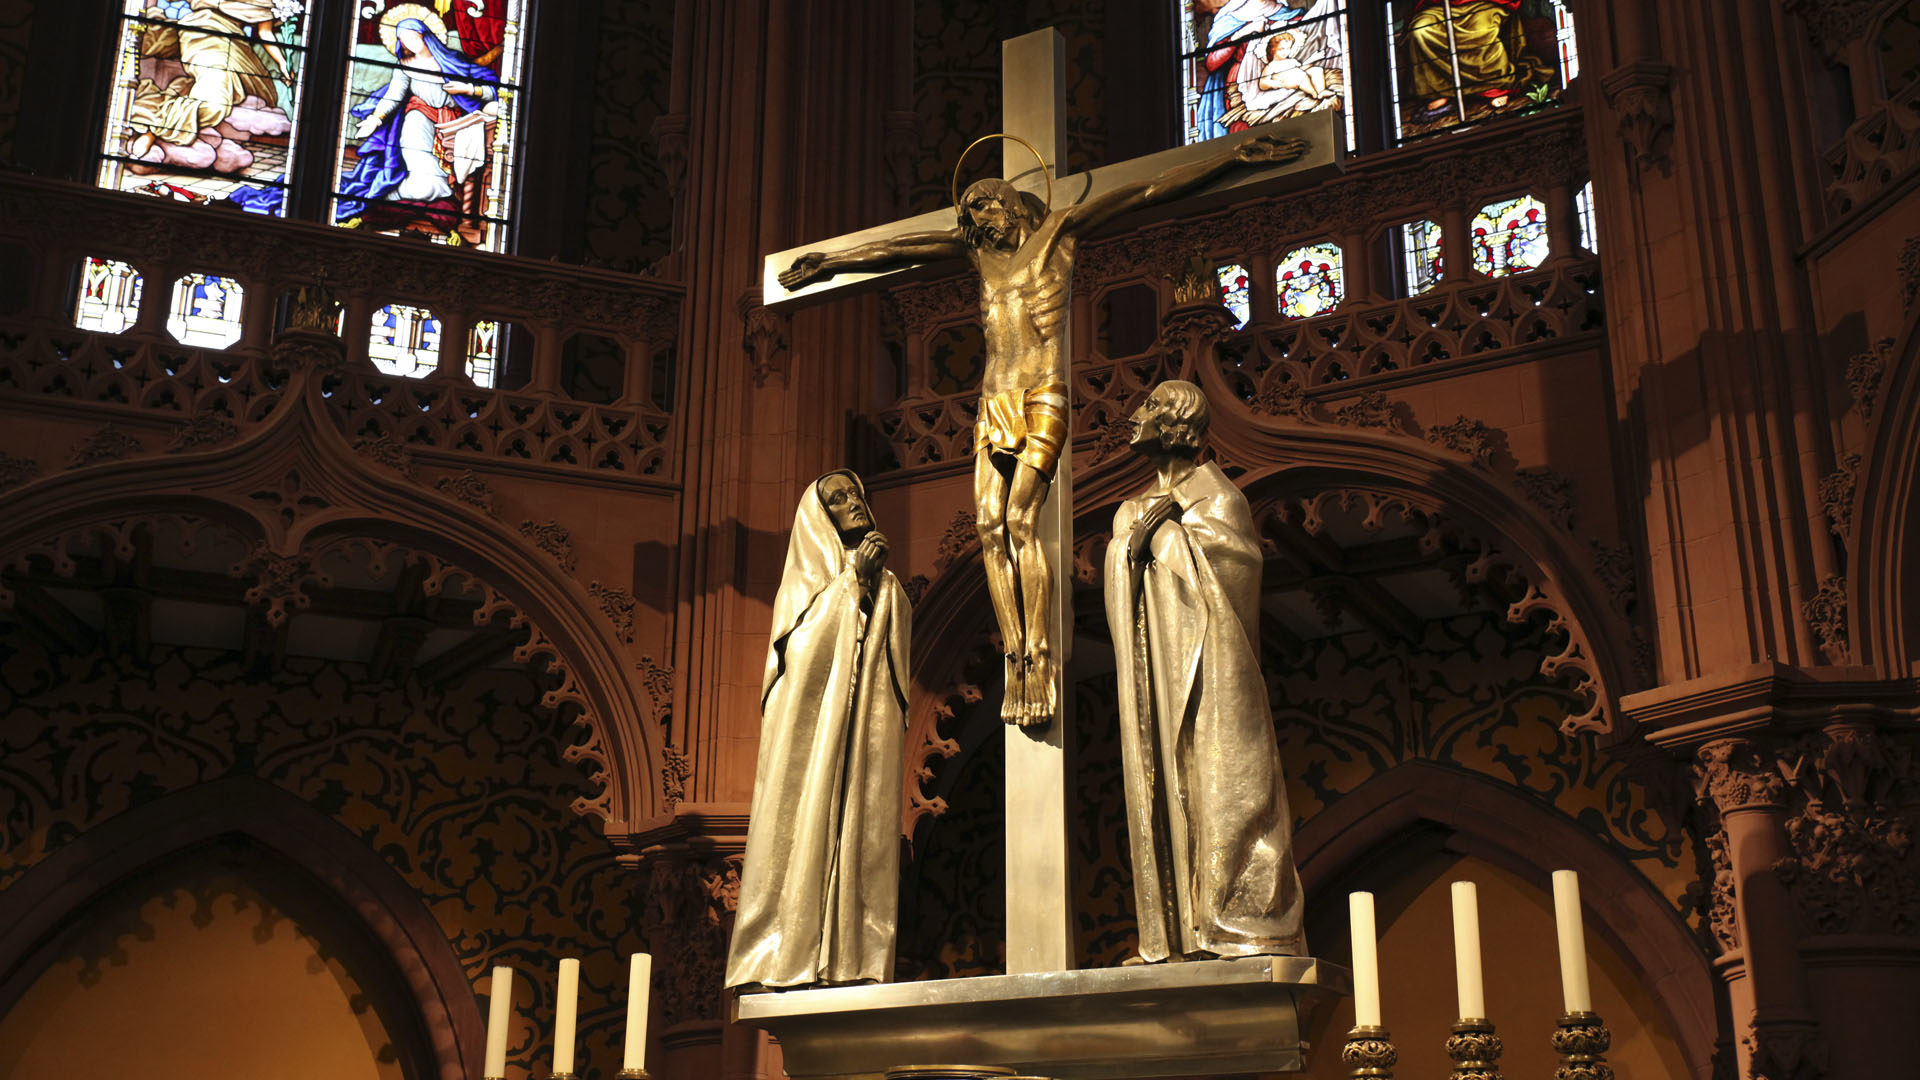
{"points": [[639, 981], [499, 1008], [1366, 961], [1466, 951], [1575, 992], [563, 1021]]}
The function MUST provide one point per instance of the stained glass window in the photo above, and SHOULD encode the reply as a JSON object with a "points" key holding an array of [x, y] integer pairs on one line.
{"points": [[1510, 236], [1247, 62], [1420, 251], [1589, 229], [431, 120], [205, 102], [1234, 293], [1309, 281], [405, 341], [109, 296], [485, 343], [1462, 61], [206, 311]]}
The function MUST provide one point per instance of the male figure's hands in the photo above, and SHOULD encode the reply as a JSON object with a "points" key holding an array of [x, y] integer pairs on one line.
{"points": [[1158, 512], [1270, 150], [869, 557], [804, 271]]}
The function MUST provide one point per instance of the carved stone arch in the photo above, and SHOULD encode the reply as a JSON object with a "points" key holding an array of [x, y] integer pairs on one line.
{"points": [[55, 895], [1882, 627], [295, 486], [1342, 848]]}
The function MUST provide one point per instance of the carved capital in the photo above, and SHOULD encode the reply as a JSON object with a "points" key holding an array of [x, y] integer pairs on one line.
{"points": [[691, 902], [1832, 25], [1195, 325], [1786, 1050], [670, 144], [1826, 614], [1737, 774], [1641, 97], [1854, 808], [764, 338]]}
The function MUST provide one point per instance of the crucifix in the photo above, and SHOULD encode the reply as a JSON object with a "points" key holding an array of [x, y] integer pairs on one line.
{"points": [[1023, 248]]}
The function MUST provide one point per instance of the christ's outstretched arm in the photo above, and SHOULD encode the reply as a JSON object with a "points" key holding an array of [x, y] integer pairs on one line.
{"points": [[1078, 221], [912, 247]]}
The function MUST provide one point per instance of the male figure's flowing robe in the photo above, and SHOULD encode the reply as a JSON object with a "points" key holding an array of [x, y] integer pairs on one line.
{"points": [[1207, 817], [820, 890]]}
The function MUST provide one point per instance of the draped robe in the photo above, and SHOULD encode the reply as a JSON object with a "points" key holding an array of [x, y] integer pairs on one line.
{"points": [[820, 890], [1207, 817]]}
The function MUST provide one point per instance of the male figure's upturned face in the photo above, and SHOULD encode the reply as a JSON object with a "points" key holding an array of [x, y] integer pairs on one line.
{"points": [[841, 496], [995, 220], [1149, 432]]}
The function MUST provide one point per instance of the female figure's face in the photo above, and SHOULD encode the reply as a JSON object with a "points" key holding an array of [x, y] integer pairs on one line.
{"points": [[410, 40], [841, 496]]}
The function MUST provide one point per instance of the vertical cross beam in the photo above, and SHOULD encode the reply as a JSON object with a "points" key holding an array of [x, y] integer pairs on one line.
{"points": [[1039, 899]]}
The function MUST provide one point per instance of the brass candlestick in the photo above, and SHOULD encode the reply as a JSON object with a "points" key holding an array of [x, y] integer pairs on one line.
{"points": [[633, 1074], [1581, 1040], [1475, 1050], [1370, 1052]]}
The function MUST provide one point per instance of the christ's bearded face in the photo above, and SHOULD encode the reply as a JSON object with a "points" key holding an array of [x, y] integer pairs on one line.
{"points": [[991, 215]]}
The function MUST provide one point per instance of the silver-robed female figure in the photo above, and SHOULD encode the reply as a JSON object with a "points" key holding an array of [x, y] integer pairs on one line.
{"points": [[820, 890]]}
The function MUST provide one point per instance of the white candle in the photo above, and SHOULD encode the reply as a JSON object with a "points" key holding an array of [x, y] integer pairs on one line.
{"points": [[563, 1021], [1466, 951], [499, 1009], [1575, 992], [1366, 961], [639, 982]]}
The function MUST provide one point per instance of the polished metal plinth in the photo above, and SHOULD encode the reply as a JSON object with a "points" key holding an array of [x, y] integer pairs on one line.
{"points": [[1188, 1019]]}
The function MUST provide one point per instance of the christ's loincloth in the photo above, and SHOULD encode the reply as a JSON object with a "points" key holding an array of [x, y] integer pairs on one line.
{"points": [[1030, 424]]}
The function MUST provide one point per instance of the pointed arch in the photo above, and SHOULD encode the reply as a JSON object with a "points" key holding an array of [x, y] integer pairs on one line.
{"points": [[1883, 576], [293, 485], [418, 963]]}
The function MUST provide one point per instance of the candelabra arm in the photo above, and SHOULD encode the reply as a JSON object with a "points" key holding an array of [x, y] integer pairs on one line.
{"points": [[1475, 1050], [1582, 1040], [1370, 1053]]}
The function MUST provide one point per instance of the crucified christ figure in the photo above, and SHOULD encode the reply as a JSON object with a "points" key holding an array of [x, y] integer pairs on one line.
{"points": [[1024, 255]]}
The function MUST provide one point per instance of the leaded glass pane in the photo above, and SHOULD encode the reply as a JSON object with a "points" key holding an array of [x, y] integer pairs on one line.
{"points": [[1248, 62], [405, 341], [1309, 281], [206, 311], [431, 121], [1589, 229], [1463, 61], [109, 296], [205, 102], [485, 343], [1510, 236], [1420, 251], [1234, 293]]}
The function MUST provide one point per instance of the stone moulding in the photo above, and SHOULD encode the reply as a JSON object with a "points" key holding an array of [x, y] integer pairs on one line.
{"points": [[342, 500]]}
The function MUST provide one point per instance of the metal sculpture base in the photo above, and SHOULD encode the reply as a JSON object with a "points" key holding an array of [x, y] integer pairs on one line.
{"points": [[1201, 1018]]}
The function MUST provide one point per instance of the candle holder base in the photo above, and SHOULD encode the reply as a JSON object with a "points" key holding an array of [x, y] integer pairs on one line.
{"points": [[1370, 1052], [1475, 1050], [633, 1074], [563, 1076], [1582, 1040]]}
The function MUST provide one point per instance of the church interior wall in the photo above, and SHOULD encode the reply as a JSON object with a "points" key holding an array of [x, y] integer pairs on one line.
{"points": [[1671, 425]]}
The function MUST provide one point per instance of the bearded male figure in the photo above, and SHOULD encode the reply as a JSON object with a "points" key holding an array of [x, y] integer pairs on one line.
{"points": [[1207, 817], [1025, 261]]}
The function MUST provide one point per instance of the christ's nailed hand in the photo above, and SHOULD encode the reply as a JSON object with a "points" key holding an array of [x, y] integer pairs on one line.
{"points": [[804, 269], [1269, 150]]}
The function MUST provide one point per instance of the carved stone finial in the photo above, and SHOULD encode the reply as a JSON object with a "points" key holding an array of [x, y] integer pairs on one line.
{"points": [[1194, 281]]}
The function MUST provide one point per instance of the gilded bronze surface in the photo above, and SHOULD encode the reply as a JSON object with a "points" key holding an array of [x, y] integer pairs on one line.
{"points": [[1207, 817], [819, 891], [1024, 255]]}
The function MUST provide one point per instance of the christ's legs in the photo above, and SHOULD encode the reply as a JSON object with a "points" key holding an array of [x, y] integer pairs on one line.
{"points": [[990, 502], [1024, 500]]}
